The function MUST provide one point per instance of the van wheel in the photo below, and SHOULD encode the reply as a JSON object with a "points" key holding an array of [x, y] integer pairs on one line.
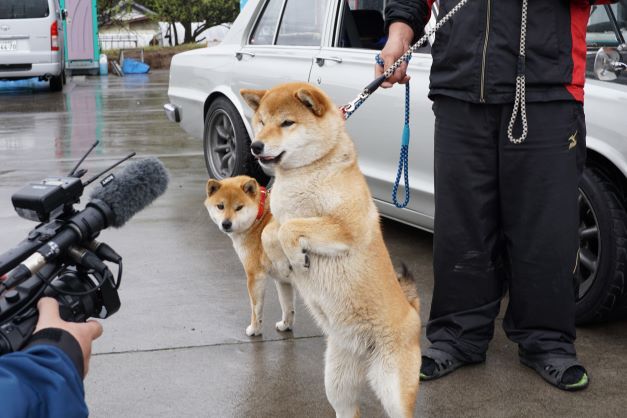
{"points": [[602, 249], [56, 83], [226, 144]]}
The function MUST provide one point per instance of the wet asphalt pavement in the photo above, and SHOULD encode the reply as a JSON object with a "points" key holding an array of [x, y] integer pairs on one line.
{"points": [[177, 347]]}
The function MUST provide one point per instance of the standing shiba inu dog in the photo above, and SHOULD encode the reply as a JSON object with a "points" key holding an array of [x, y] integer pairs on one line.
{"points": [[238, 206], [328, 228]]}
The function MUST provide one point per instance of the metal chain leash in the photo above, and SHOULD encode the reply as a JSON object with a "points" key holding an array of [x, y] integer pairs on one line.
{"points": [[520, 99], [350, 108]]}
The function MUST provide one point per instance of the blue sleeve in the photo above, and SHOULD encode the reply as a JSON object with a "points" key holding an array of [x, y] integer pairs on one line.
{"points": [[41, 381]]}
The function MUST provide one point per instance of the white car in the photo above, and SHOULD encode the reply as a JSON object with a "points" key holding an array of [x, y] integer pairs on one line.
{"points": [[31, 41], [332, 44]]}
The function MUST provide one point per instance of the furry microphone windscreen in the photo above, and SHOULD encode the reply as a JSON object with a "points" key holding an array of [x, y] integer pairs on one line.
{"points": [[132, 189]]}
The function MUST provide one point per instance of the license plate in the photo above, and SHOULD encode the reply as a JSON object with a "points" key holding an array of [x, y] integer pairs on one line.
{"points": [[8, 45]]}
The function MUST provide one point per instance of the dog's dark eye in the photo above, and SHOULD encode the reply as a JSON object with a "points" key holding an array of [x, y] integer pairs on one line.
{"points": [[287, 123], [261, 122], [221, 206], [237, 209]]}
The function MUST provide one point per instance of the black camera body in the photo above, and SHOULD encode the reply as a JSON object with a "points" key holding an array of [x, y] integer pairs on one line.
{"points": [[19, 317], [60, 258]]}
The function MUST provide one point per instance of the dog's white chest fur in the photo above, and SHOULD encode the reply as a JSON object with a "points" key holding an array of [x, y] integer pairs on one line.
{"points": [[290, 201]]}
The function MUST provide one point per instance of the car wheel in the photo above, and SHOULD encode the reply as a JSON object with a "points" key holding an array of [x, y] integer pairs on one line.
{"points": [[227, 145], [602, 248], [56, 83]]}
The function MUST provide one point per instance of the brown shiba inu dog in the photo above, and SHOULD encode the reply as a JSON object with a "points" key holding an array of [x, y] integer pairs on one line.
{"points": [[238, 206], [328, 228]]}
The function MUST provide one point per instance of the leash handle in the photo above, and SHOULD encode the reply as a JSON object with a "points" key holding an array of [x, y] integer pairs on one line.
{"points": [[402, 170], [376, 83], [352, 106], [403, 163]]}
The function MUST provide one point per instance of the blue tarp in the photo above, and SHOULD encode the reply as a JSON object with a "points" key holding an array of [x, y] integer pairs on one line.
{"points": [[132, 66]]}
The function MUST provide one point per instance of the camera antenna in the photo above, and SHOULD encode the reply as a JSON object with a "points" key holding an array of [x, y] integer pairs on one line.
{"points": [[91, 180], [78, 164]]}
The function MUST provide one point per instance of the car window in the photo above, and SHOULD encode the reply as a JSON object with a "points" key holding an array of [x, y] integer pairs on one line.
{"points": [[302, 23], [600, 29], [264, 31], [361, 25], [23, 9]]}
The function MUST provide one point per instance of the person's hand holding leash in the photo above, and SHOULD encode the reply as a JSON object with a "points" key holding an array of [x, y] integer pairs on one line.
{"points": [[400, 36], [84, 333]]}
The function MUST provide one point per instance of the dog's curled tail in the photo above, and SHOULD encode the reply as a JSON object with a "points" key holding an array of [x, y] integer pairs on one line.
{"points": [[408, 284]]}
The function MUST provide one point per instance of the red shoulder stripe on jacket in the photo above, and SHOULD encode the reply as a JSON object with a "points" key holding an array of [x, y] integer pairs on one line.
{"points": [[430, 5], [579, 15]]}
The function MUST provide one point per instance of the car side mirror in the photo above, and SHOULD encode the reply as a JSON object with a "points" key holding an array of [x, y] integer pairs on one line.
{"points": [[608, 64]]}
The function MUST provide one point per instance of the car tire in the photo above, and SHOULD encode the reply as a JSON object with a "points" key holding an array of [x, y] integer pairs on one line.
{"points": [[56, 83], [226, 144], [602, 265]]}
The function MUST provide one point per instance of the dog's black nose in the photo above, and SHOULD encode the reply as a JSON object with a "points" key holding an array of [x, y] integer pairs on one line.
{"points": [[256, 147], [226, 224]]}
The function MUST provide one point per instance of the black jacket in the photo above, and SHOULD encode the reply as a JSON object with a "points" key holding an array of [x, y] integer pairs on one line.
{"points": [[475, 54]]}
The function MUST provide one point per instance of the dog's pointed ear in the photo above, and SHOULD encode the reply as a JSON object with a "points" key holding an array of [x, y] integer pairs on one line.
{"points": [[313, 100], [253, 97], [212, 187], [250, 187]]}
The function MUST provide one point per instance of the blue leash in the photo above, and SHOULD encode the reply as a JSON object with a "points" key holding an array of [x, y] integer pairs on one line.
{"points": [[404, 158], [349, 108]]}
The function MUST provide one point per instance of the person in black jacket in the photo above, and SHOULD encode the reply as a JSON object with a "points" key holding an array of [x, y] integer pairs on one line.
{"points": [[506, 209], [45, 378]]}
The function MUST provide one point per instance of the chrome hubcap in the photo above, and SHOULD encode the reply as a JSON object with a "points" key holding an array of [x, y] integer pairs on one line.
{"points": [[221, 144]]}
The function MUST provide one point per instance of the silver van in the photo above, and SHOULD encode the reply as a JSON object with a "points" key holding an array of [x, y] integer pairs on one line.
{"points": [[31, 41]]}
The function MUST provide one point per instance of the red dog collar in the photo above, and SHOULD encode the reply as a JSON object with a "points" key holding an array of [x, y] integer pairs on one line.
{"points": [[262, 202]]}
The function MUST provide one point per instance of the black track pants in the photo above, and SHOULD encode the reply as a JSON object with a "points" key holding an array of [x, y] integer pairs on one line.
{"points": [[506, 220]]}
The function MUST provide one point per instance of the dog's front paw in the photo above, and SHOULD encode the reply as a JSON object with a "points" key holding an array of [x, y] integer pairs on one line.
{"points": [[283, 326], [253, 330], [295, 247], [305, 258], [299, 260]]}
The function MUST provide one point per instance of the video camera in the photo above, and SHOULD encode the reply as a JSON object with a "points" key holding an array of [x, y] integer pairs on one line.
{"points": [[60, 257]]}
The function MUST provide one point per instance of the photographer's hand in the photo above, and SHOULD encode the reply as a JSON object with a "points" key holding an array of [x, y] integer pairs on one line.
{"points": [[84, 333], [45, 378]]}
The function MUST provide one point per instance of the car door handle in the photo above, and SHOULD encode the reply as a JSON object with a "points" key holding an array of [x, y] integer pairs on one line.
{"points": [[240, 54], [12, 37], [321, 59]]}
